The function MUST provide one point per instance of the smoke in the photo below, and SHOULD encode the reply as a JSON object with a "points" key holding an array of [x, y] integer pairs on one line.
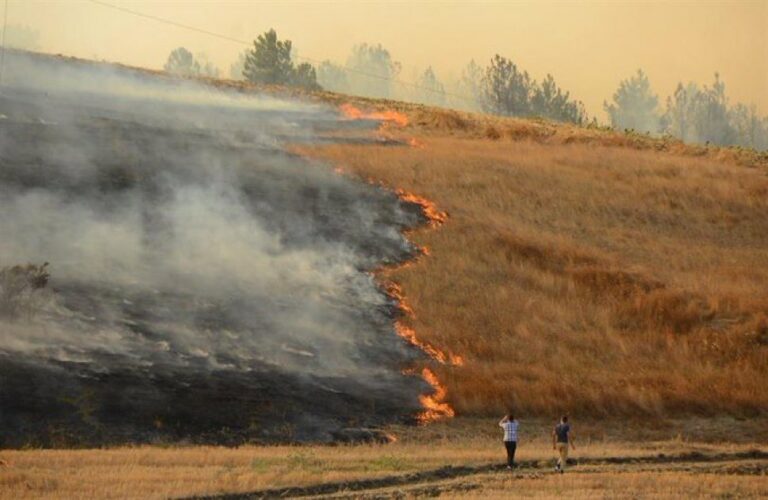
{"points": [[201, 276]]}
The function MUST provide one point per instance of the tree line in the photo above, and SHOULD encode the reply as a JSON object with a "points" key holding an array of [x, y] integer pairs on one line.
{"points": [[500, 88], [692, 113]]}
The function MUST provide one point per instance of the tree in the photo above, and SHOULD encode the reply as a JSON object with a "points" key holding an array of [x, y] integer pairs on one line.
{"points": [[269, 61], [751, 130], [182, 62], [371, 70], [634, 105], [304, 76], [710, 120], [470, 87], [505, 89], [702, 115], [549, 101], [678, 118]]}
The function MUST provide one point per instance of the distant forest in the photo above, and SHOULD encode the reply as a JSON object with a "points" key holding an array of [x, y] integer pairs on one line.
{"points": [[693, 112]]}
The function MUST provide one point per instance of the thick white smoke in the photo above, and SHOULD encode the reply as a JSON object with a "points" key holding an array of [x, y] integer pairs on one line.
{"points": [[184, 243]]}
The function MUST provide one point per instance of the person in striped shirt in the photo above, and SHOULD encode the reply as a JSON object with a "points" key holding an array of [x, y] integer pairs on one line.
{"points": [[509, 424]]}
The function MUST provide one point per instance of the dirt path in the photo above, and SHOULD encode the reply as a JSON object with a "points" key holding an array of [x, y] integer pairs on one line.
{"points": [[366, 488]]}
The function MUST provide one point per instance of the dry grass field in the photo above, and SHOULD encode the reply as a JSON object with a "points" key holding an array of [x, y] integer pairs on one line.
{"points": [[456, 458], [611, 276], [584, 277]]}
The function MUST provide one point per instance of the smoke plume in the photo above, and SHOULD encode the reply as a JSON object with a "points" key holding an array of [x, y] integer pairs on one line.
{"points": [[205, 284]]}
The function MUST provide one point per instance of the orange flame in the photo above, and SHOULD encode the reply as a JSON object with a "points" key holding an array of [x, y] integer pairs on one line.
{"points": [[434, 404], [435, 216], [354, 113], [409, 334], [395, 291]]}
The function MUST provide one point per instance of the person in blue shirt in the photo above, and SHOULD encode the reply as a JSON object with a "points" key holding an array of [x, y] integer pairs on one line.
{"points": [[562, 437]]}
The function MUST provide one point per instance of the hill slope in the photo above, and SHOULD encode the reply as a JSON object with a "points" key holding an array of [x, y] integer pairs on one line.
{"points": [[579, 269], [584, 277]]}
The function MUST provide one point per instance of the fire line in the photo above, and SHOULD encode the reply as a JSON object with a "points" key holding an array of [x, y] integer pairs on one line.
{"points": [[435, 406]]}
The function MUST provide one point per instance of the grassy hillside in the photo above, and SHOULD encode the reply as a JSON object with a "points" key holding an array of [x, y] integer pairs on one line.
{"points": [[609, 275], [579, 269]]}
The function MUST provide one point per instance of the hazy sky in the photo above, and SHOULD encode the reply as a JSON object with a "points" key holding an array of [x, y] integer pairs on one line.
{"points": [[589, 46]]}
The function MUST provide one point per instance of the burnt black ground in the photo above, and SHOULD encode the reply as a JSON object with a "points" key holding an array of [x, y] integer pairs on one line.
{"points": [[186, 337]]}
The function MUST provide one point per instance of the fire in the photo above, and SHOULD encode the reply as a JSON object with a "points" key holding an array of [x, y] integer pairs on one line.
{"points": [[395, 292], [435, 216], [435, 407], [389, 116], [409, 334], [434, 404]]}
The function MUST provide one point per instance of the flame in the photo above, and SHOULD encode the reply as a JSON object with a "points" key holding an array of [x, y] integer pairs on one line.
{"points": [[435, 407], [389, 116], [409, 334], [434, 404], [394, 291], [435, 216]]}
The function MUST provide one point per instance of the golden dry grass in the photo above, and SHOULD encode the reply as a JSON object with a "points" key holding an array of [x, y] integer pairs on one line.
{"points": [[621, 483], [155, 472], [585, 278]]}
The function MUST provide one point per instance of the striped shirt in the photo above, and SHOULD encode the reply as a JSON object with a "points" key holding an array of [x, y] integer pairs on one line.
{"points": [[510, 430]]}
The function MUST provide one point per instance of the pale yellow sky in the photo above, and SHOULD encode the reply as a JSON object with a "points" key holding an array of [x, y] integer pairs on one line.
{"points": [[589, 46]]}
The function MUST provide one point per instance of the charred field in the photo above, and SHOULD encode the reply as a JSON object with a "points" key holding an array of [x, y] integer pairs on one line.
{"points": [[202, 284]]}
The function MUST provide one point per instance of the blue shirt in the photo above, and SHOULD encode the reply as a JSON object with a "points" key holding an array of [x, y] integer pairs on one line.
{"points": [[562, 431]]}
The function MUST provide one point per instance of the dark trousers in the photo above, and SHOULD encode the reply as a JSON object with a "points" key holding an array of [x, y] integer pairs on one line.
{"points": [[511, 446]]}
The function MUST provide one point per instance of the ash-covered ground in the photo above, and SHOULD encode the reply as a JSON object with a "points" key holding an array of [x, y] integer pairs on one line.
{"points": [[205, 285]]}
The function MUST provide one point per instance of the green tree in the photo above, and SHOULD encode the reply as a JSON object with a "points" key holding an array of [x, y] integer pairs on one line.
{"points": [[304, 76], [269, 61], [182, 62], [506, 90], [634, 105], [550, 101]]}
